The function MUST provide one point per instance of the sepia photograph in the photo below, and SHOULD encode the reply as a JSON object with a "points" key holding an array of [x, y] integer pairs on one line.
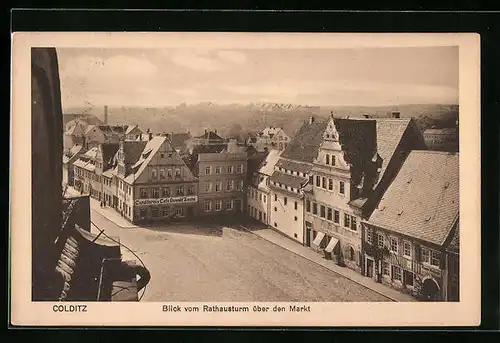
{"points": [[241, 178]]}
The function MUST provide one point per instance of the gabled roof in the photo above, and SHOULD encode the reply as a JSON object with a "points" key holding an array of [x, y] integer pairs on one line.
{"points": [[131, 128], [146, 155], [210, 135], [423, 200], [305, 144], [90, 128]]}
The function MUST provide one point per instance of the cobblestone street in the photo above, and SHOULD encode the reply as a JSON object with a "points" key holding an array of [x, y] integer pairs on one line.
{"points": [[215, 263]]}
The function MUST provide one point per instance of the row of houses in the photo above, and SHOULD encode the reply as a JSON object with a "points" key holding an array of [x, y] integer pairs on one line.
{"points": [[366, 194], [151, 180]]}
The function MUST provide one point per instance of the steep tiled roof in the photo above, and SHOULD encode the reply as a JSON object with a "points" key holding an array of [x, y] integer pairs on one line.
{"points": [[267, 166], [179, 139], [147, 154], [108, 151], [132, 150], [295, 166], [131, 128], [389, 134], [423, 199], [305, 144], [288, 180], [90, 128]]}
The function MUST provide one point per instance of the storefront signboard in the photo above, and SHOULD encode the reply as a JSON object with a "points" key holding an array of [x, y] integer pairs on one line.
{"points": [[163, 201]]}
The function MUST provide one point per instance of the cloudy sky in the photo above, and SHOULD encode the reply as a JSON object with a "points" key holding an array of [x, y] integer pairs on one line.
{"points": [[162, 77]]}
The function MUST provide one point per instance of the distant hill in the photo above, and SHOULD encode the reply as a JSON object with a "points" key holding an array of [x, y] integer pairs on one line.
{"points": [[251, 118]]}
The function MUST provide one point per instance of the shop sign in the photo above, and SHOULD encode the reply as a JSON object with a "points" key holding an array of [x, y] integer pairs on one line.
{"points": [[163, 201]]}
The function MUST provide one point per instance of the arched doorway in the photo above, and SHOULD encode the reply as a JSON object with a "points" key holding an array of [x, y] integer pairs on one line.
{"points": [[430, 290], [352, 255]]}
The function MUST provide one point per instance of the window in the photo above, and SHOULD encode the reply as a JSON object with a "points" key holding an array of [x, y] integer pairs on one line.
{"points": [[327, 158], [315, 208], [275, 209], [180, 211], [229, 205], [385, 268], [169, 173], [179, 190], [218, 205], [296, 206], [190, 190], [154, 174], [426, 256], [265, 199], [177, 172], [166, 191], [239, 169], [217, 170], [275, 197], [322, 213], [143, 213], [155, 192], [352, 254], [396, 273], [369, 236], [239, 186], [162, 155], [207, 205], [162, 173], [347, 220], [333, 160], [394, 245], [154, 212], [165, 211], [308, 206], [435, 259], [330, 184], [318, 181], [275, 225], [380, 241], [218, 186], [336, 216], [208, 187], [324, 182], [295, 218], [329, 214], [407, 249], [285, 200], [229, 169], [342, 186], [354, 226], [208, 170], [229, 185], [144, 193]]}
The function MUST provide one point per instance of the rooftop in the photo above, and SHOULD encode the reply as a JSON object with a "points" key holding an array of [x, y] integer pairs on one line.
{"points": [[423, 200], [305, 144]]}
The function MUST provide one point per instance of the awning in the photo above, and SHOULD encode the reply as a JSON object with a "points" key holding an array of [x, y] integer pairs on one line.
{"points": [[318, 239], [331, 245]]}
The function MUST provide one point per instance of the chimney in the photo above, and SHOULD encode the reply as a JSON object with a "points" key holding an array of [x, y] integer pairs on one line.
{"points": [[150, 135], [106, 115], [395, 114], [311, 119], [205, 131]]}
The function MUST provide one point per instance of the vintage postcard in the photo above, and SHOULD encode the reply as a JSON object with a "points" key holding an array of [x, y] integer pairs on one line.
{"points": [[245, 179]]}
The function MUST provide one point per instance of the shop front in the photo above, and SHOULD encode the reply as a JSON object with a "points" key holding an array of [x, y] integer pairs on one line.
{"points": [[164, 210]]}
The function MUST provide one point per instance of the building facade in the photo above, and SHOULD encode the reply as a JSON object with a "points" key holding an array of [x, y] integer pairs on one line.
{"points": [[271, 138], [155, 184], [258, 193], [68, 159], [442, 139], [408, 236], [222, 182]]}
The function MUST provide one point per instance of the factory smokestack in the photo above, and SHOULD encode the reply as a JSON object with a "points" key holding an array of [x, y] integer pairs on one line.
{"points": [[106, 115]]}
